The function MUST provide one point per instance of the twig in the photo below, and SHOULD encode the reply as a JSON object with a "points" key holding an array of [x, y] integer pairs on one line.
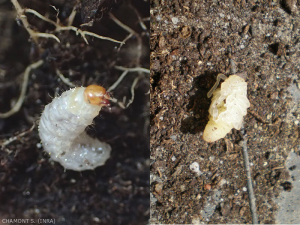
{"points": [[19, 103], [249, 179]]}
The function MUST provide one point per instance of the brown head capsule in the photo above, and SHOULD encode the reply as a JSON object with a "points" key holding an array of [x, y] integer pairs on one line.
{"points": [[96, 95]]}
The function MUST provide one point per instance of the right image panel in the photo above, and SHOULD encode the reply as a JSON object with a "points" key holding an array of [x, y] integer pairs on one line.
{"points": [[224, 113]]}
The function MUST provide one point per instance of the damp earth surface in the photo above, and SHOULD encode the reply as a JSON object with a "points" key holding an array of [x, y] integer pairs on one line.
{"points": [[191, 43]]}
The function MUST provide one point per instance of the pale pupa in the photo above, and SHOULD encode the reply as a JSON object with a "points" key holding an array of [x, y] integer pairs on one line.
{"points": [[228, 107], [62, 128]]}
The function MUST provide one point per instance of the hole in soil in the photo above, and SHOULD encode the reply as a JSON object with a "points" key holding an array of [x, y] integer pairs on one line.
{"points": [[274, 48], [276, 22], [285, 7], [287, 186], [293, 167], [267, 155]]}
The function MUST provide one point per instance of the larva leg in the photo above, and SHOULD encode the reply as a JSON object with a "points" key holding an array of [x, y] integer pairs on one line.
{"points": [[219, 77]]}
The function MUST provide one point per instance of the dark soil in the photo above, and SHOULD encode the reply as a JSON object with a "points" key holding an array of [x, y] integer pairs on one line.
{"points": [[33, 186], [191, 42]]}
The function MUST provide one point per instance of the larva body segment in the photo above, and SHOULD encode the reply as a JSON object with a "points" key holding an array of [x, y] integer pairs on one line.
{"points": [[62, 131], [215, 131], [228, 107]]}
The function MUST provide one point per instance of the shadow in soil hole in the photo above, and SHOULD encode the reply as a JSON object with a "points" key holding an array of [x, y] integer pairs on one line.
{"points": [[199, 104]]}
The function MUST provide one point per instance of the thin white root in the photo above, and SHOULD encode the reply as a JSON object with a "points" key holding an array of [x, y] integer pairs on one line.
{"points": [[12, 139], [139, 54], [23, 18], [219, 77], [125, 27], [131, 33], [141, 22], [128, 29], [72, 16], [132, 91], [146, 19], [114, 100], [65, 80], [72, 28], [46, 35], [136, 69], [20, 101], [112, 87], [83, 33], [34, 35], [126, 70], [40, 16]]}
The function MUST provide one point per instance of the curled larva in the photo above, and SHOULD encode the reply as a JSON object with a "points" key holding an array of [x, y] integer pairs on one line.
{"points": [[228, 107], [62, 128]]}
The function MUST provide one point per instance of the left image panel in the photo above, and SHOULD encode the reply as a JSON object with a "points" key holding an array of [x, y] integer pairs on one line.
{"points": [[74, 112]]}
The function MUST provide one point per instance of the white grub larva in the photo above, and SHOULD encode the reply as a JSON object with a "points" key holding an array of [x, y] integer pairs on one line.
{"points": [[228, 107], [62, 128]]}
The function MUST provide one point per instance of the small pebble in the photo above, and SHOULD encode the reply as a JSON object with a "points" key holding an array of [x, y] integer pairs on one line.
{"points": [[195, 168], [207, 186], [175, 20]]}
